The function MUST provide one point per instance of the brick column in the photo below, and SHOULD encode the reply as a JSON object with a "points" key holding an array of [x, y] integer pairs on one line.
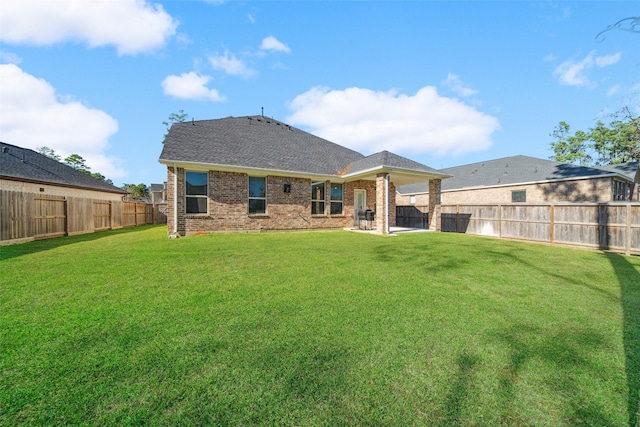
{"points": [[381, 204], [435, 190]]}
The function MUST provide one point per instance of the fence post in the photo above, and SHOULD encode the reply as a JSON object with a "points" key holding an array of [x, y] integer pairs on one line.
{"points": [[628, 231], [552, 220]]}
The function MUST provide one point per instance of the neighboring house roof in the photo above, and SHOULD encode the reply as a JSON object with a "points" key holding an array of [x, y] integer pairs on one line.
{"points": [[157, 187], [22, 164], [519, 170], [267, 145]]}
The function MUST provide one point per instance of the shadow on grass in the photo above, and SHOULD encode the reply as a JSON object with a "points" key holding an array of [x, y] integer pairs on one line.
{"points": [[629, 280], [458, 396], [20, 249]]}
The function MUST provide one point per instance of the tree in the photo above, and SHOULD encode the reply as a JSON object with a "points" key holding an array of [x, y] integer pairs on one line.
{"points": [[178, 117], [137, 192], [101, 177], [78, 163], [618, 142], [49, 152]]}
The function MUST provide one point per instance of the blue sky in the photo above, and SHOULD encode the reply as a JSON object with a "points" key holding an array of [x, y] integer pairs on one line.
{"points": [[442, 83]]}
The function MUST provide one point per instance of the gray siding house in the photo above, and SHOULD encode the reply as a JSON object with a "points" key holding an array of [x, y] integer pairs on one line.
{"points": [[252, 173]]}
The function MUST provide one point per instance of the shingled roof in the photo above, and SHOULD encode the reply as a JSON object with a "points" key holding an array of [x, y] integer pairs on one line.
{"points": [[260, 143], [254, 142], [519, 170], [22, 164]]}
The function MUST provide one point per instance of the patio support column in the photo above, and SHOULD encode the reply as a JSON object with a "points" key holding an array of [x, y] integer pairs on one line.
{"points": [[435, 192], [382, 203]]}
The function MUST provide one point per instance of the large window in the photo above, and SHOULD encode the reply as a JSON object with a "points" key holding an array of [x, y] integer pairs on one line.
{"points": [[336, 199], [196, 192], [519, 196], [257, 195], [317, 198]]}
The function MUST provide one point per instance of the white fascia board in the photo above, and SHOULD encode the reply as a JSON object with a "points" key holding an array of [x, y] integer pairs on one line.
{"points": [[404, 171]]}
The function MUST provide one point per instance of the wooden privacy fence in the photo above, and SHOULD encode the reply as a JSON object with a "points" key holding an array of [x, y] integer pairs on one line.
{"points": [[610, 226], [29, 216]]}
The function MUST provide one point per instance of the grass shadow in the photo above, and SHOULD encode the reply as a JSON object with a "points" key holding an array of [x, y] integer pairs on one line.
{"points": [[629, 279], [35, 246]]}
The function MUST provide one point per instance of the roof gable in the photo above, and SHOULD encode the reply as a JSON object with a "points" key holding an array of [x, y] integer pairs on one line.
{"points": [[27, 165], [387, 160]]}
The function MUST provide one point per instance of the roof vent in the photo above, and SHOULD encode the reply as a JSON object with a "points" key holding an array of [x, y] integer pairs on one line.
{"points": [[5, 149]]}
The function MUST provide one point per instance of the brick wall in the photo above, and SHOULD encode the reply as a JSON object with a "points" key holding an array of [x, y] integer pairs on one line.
{"points": [[228, 205]]}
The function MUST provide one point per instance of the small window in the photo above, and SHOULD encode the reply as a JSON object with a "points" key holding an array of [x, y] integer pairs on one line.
{"points": [[196, 192], [519, 196], [317, 198], [412, 200], [621, 190], [336, 199], [257, 195]]}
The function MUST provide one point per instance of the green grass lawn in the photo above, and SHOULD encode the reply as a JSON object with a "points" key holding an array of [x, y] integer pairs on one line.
{"points": [[335, 328]]}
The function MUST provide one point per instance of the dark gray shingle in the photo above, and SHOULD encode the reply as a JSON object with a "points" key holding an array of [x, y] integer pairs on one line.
{"points": [[27, 165], [255, 142], [513, 170]]}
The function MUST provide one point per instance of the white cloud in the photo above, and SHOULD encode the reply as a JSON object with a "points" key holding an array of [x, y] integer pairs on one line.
{"points": [[190, 86], [132, 26], [32, 115], [230, 65], [273, 44], [573, 73], [454, 83], [614, 90], [603, 61], [9, 58], [370, 121]]}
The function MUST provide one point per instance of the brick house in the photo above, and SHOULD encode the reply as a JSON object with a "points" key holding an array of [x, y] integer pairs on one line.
{"points": [[529, 179], [252, 173]]}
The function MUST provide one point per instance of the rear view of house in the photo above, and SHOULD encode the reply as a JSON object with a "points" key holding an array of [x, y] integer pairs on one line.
{"points": [[252, 173]]}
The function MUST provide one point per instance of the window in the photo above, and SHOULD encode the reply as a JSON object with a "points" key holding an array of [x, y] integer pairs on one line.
{"points": [[519, 196], [336, 199], [257, 195], [317, 198], [196, 192], [412, 200], [620, 190]]}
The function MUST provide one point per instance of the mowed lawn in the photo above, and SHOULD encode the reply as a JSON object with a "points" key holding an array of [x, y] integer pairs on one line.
{"points": [[334, 328]]}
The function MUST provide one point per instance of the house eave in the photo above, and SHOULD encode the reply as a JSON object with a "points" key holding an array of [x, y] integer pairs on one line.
{"points": [[204, 167]]}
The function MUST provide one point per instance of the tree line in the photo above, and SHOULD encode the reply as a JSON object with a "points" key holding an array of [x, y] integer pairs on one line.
{"points": [[77, 162], [615, 143]]}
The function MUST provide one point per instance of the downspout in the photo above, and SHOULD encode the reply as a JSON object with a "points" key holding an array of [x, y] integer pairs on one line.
{"points": [[175, 199], [386, 203]]}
